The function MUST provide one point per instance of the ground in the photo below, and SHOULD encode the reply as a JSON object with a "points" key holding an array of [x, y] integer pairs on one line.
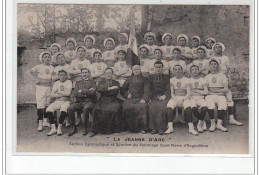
{"points": [[235, 141]]}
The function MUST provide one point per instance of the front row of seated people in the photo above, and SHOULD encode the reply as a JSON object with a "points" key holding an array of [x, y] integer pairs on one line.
{"points": [[149, 102]]}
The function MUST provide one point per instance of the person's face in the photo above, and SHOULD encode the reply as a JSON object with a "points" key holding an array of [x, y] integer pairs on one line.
{"points": [[150, 40], [209, 44], [97, 57], [168, 40], [158, 54], [89, 42], [62, 76], [143, 52], [194, 71], [60, 59], [108, 74], [46, 58], [121, 39], [158, 68], [85, 73], [176, 54], [218, 49], [109, 45], [195, 42], [81, 52], [54, 49], [70, 45], [182, 41], [136, 70], [121, 56], [213, 66], [200, 53], [178, 71]]}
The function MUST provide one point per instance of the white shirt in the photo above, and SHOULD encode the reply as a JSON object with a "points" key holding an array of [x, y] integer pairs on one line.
{"points": [[43, 71], [70, 55], [78, 64], [97, 67], [216, 80], [89, 53], [59, 87], [144, 64], [180, 85], [121, 67], [151, 51], [167, 50], [202, 64]]}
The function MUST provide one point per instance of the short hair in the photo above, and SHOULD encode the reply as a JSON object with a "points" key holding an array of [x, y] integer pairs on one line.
{"points": [[158, 49], [70, 42], [177, 65], [84, 69], [96, 53], [200, 48], [194, 65], [158, 62], [60, 71], [122, 51], [213, 61], [109, 68], [179, 50]]}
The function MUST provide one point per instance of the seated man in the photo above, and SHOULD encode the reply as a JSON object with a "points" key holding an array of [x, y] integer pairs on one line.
{"points": [[136, 91], [160, 94], [83, 99], [199, 88], [180, 93], [218, 87], [61, 91]]}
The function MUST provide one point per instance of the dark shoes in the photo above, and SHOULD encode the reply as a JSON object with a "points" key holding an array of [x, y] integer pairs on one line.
{"points": [[74, 131], [92, 134]]}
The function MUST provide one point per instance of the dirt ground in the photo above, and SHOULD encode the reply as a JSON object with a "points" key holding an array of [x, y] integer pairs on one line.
{"points": [[235, 141]]}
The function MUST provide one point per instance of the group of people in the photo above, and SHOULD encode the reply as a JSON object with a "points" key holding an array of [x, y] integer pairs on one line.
{"points": [[139, 97]]}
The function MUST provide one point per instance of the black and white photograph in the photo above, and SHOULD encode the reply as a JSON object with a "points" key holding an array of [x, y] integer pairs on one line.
{"points": [[133, 78]]}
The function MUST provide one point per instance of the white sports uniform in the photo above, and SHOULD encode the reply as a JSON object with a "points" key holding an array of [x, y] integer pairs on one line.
{"points": [[167, 51], [97, 68], [109, 57], [184, 50], [144, 64], [89, 54], [210, 53], [165, 67], [177, 62], [224, 65], [43, 90], [197, 100], [151, 51], [180, 91], [120, 67], [78, 65], [194, 53], [201, 63], [216, 81], [70, 55], [61, 103]]}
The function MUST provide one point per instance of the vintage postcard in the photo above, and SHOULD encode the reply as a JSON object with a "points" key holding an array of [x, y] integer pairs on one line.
{"points": [[143, 78]]}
